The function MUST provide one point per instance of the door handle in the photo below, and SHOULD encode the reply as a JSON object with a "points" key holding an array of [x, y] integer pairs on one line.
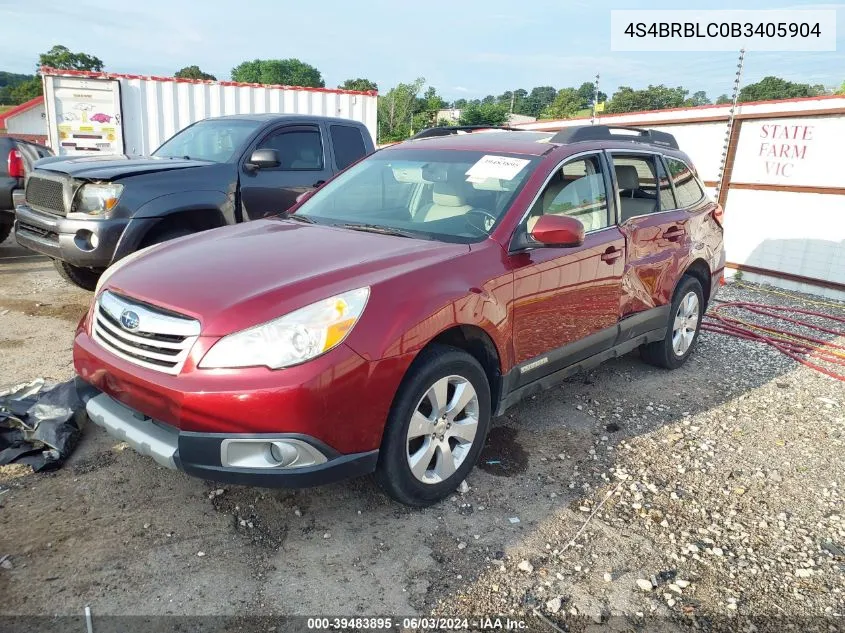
{"points": [[674, 233], [611, 255]]}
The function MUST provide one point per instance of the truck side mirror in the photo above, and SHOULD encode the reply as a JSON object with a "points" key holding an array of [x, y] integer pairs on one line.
{"points": [[263, 159]]}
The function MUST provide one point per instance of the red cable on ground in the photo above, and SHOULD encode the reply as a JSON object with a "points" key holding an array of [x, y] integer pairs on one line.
{"points": [[799, 350]]}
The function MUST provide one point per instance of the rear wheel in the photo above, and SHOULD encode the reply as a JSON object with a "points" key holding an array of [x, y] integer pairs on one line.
{"points": [[85, 278], [684, 325], [436, 428]]}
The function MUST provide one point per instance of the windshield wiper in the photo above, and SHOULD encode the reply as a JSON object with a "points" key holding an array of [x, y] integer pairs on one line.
{"points": [[375, 228], [298, 218]]}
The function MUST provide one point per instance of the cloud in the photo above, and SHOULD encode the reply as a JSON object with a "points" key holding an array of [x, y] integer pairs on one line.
{"points": [[460, 89]]}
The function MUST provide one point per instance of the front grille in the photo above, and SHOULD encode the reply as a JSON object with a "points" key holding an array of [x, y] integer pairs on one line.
{"points": [[159, 341], [45, 194]]}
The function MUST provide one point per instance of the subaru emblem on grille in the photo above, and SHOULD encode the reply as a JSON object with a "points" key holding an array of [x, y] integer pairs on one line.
{"points": [[129, 319]]}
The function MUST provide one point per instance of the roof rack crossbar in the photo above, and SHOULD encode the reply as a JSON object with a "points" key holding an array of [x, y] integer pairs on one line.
{"points": [[454, 129], [606, 132]]}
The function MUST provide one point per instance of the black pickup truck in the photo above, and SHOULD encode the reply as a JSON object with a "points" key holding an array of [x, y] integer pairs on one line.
{"points": [[88, 212], [17, 158]]}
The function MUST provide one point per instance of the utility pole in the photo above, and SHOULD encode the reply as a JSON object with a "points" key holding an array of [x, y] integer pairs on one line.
{"points": [[732, 114], [595, 99], [513, 96]]}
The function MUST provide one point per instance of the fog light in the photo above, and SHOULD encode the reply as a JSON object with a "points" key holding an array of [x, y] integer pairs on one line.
{"points": [[269, 453], [85, 240]]}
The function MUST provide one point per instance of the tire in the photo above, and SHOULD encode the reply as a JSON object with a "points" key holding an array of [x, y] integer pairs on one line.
{"points": [[452, 369], [5, 227], [85, 278], [686, 310]]}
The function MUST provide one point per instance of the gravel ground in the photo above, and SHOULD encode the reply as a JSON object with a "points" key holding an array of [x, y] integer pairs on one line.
{"points": [[626, 498]]}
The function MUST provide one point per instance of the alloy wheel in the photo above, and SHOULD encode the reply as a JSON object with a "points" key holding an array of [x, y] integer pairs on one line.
{"points": [[443, 429], [685, 324]]}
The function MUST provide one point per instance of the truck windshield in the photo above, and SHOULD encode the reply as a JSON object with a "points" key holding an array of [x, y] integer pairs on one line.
{"points": [[214, 140], [446, 195]]}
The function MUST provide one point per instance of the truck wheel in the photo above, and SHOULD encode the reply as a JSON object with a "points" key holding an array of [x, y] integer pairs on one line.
{"points": [[85, 278], [5, 227], [682, 330], [436, 428]]}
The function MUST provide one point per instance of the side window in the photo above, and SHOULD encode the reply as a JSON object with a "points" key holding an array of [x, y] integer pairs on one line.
{"points": [[298, 149], [348, 144], [667, 198], [637, 184], [577, 189], [687, 188]]}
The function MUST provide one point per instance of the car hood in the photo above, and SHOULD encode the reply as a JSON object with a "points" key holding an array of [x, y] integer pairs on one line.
{"points": [[236, 277], [113, 167]]}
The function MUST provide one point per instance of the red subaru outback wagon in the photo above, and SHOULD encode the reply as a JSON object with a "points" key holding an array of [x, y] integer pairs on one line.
{"points": [[381, 324]]}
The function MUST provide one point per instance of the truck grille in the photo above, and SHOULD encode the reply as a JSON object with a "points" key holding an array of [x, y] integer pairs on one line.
{"points": [[45, 194], [143, 335]]}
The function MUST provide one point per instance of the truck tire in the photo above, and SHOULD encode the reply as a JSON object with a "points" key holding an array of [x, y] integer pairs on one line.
{"points": [[85, 278], [5, 227]]}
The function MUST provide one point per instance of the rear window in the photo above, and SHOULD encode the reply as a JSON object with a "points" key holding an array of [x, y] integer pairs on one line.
{"points": [[687, 189], [348, 145]]}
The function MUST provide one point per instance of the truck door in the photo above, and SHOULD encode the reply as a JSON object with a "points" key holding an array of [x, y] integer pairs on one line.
{"points": [[304, 163]]}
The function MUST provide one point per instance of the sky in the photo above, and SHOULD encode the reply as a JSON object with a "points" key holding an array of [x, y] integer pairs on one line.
{"points": [[465, 49]]}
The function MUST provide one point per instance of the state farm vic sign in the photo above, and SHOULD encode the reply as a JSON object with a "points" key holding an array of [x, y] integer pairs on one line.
{"points": [[801, 152]]}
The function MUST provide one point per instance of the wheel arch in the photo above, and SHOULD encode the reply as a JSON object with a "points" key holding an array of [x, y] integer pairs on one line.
{"points": [[700, 270]]}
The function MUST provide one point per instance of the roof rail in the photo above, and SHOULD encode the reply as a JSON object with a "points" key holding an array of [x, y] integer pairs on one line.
{"points": [[609, 132], [455, 129]]}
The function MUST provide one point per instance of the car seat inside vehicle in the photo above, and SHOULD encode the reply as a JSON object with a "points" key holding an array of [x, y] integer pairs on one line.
{"points": [[448, 200], [633, 200]]}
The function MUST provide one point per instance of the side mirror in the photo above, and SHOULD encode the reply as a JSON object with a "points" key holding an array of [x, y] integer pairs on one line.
{"points": [[263, 158], [558, 230]]}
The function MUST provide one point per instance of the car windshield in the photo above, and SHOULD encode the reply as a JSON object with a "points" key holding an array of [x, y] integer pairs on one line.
{"points": [[214, 140], [447, 195]]}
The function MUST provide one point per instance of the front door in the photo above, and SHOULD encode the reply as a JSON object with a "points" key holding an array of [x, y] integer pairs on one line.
{"points": [[566, 300], [303, 165]]}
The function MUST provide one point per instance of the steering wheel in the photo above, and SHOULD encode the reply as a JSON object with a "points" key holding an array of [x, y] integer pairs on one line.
{"points": [[486, 220]]}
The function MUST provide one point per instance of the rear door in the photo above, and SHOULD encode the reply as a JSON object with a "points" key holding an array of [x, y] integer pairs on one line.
{"points": [[304, 163], [656, 235], [566, 300], [347, 143]]}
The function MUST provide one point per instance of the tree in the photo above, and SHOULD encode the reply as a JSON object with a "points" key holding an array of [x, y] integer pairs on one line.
{"points": [[484, 114], [723, 99], [282, 72], [586, 94], [459, 103], [537, 100], [698, 98], [659, 97], [841, 90], [363, 85], [16, 88], [566, 105], [776, 88], [396, 111], [62, 57], [193, 72]]}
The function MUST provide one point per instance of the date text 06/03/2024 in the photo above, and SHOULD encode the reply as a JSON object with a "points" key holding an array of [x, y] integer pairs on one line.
{"points": [[492, 623]]}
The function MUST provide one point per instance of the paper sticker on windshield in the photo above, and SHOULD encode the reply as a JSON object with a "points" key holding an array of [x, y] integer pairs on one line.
{"points": [[501, 167]]}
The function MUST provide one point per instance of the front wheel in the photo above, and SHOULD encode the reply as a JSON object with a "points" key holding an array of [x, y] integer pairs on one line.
{"points": [[85, 278], [684, 325], [436, 427]]}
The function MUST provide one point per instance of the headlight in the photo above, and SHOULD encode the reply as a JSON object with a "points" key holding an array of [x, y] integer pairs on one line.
{"points": [[293, 338], [96, 199]]}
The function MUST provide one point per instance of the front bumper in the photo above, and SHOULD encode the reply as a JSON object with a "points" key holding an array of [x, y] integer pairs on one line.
{"points": [[211, 455], [79, 242]]}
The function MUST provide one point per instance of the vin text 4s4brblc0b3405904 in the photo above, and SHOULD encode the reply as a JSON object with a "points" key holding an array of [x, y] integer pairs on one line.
{"points": [[382, 322]]}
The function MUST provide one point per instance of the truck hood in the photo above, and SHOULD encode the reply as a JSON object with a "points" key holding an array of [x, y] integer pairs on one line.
{"points": [[235, 277], [113, 167]]}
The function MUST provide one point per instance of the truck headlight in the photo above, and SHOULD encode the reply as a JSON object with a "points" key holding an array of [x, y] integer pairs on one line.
{"points": [[292, 339], [94, 200]]}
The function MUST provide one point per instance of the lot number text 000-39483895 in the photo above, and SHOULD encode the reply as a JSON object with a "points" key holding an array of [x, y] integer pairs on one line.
{"points": [[692, 30]]}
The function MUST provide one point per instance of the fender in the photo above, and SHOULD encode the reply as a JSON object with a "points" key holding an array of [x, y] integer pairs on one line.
{"points": [[218, 204]]}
